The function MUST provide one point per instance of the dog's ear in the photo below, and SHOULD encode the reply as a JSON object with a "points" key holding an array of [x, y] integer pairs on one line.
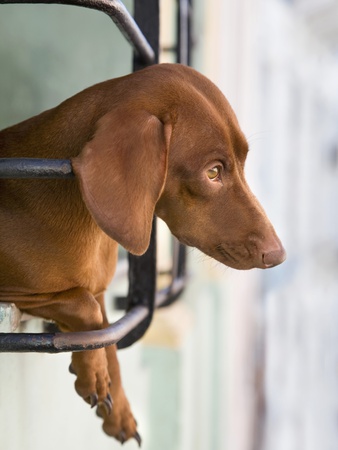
{"points": [[122, 172]]}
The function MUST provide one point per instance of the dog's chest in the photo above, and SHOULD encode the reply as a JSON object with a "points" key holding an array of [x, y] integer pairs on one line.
{"points": [[49, 242]]}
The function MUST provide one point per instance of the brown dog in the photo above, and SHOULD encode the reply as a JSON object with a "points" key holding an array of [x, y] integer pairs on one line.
{"points": [[163, 140]]}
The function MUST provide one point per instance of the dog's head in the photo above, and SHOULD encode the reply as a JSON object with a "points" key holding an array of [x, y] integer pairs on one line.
{"points": [[172, 145]]}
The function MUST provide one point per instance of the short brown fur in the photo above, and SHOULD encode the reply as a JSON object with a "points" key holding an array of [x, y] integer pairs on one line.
{"points": [[139, 145]]}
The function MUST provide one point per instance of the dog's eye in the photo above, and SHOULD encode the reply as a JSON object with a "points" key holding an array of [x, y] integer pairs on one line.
{"points": [[213, 173]]}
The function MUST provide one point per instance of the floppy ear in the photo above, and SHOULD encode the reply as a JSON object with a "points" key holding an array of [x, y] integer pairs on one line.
{"points": [[122, 172]]}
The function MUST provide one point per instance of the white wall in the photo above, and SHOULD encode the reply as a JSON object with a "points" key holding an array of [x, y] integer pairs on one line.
{"points": [[279, 70], [299, 77]]}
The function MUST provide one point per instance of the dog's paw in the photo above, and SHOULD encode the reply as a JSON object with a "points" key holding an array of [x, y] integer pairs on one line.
{"points": [[119, 422], [98, 388], [92, 377]]}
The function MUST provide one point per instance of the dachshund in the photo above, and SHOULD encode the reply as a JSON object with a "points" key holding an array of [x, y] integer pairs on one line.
{"points": [[162, 141]]}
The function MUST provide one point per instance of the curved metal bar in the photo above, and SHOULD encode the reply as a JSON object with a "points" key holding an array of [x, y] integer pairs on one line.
{"points": [[35, 168], [116, 10], [167, 296], [87, 340], [126, 330], [142, 287], [74, 341]]}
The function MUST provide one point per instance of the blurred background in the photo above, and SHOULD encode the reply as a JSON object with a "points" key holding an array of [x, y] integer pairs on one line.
{"points": [[246, 360]]}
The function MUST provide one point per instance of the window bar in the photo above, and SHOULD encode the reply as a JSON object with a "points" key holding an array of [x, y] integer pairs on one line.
{"points": [[183, 31], [142, 269], [35, 168], [72, 341]]}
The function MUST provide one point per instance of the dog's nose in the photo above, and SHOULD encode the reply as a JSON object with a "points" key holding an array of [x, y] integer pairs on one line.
{"points": [[274, 257]]}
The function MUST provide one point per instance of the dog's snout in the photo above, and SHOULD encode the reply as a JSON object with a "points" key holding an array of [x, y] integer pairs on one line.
{"points": [[274, 257], [267, 249]]}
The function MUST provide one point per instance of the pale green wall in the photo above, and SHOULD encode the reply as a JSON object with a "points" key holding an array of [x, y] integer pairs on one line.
{"points": [[50, 52]]}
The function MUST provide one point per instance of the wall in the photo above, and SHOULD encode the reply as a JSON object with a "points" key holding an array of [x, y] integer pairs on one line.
{"points": [[276, 61], [299, 107]]}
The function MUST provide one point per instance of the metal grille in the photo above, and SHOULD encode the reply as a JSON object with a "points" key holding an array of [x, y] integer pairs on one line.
{"points": [[142, 31]]}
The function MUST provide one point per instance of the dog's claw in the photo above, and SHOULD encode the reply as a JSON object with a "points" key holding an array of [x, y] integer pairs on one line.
{"points": [[122, 437], [137, 438], [71, 369], [99, 413], [108, 404], [93, 399]]}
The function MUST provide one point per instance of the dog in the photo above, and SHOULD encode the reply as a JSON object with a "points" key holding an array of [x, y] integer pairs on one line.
{"points": [[161, 141]]}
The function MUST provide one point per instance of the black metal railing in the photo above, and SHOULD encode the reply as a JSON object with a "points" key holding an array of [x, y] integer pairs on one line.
{"points": [[142, 31]]}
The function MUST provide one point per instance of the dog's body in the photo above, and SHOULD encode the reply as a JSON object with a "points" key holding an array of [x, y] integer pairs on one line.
{"points": [[163, 140]]}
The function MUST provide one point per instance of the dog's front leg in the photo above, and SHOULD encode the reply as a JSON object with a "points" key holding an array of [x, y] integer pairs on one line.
{"points": [[120, 422], [97, 372]]}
